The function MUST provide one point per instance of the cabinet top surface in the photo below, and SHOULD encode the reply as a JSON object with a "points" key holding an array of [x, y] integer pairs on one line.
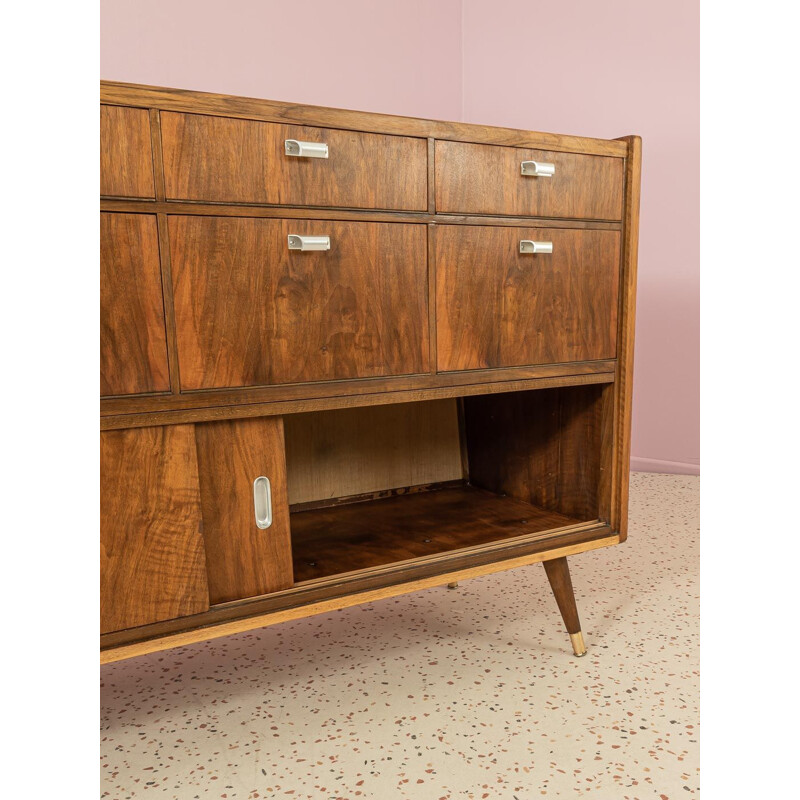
{"points": [[116, 93]]}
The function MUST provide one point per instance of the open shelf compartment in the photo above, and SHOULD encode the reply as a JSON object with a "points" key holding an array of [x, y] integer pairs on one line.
{"points": [[375, 486]]}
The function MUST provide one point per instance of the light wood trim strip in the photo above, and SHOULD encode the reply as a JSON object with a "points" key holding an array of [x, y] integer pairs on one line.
{"points": [[322, 607], [627, 324], [128, 94]]}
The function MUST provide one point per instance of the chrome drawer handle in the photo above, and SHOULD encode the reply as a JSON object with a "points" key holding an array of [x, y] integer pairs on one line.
{"points": [[539, 169], [309, 242], [528, 246], [305, 149], [262, 500]]}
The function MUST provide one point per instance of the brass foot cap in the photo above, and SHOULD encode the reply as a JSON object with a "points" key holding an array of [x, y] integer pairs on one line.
{"points": [[578, 645], [452, 585]]}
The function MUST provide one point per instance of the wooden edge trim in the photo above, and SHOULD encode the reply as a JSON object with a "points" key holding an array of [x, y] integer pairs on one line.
{"points": [[296, 406], [182, 100], [625, 342], [322, 607], [198, 208]]}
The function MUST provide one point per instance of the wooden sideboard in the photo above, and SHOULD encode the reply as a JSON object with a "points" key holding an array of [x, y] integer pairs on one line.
{"points": [[345, 356]]}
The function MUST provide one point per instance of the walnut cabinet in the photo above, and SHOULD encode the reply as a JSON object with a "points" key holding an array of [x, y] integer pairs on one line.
{"points": [[345, 356]]}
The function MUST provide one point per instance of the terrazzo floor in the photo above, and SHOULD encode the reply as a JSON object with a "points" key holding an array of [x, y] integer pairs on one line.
{"points": [[471, 693]]}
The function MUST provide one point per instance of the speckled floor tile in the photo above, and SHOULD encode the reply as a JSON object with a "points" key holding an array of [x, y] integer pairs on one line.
{"points": [[471, 693]]}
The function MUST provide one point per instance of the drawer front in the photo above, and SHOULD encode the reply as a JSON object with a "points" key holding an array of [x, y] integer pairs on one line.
{"points": [[218, 159], [251, 312], [152, 556], [486, 179], [126, 154], [497, 307], [133, 344]]}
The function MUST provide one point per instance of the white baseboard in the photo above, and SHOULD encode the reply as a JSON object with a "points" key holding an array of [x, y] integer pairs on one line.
{"points": [[671, 467]]}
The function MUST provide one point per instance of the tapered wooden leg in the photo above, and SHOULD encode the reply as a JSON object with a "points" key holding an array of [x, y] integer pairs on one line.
{"points": [[453, 585], [561, 584]]}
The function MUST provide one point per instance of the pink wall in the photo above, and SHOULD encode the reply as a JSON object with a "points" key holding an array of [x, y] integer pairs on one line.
{"points": [[360, 54], [590, 67], [609, 68]]}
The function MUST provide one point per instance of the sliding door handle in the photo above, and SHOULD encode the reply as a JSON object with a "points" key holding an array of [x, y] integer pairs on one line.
{"points": [[309, 242], [305, 149], [538, 169], [262, 500], [528, 246]]}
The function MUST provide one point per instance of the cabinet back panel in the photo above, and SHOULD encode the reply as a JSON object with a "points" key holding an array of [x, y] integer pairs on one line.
{"points": [[353, 451]]}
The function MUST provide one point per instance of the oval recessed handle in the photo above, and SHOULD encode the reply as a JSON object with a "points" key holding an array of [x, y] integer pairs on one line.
{"points": [[309, 242], [262, 501], [538, 169], [529, 246], [292, 147]]}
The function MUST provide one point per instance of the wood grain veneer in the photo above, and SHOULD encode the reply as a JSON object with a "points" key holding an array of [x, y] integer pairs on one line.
{"points": [[251, 312], [152, 557], [243, 560], [497, 307], [220, 159], [126, 157], [133, 347], [485, 179]]}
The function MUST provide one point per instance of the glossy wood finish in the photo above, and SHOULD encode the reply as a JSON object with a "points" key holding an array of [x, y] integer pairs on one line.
{"points": [[126, 157], [541, 447], [226, 160], [152, 558], [243, 560], [484, 179], [251, 312], [624, 381], [342, 539], [497, 307], [133, 348], [355, 451], [557, 571], [310, 599], [296, 114]]}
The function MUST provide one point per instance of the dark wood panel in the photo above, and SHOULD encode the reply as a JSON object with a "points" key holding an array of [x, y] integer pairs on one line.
{"points": [[345, 538], [221, 159], [243, 560], [482, 179], [497, 307], [275, 111], [278, 407], [126, 156], [133, 347], [251, 312], [544, 447], [152, 559]]}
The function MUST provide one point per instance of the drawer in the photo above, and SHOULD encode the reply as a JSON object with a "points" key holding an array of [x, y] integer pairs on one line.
{"points": [[497, 307], [486, 179], [133, 342], [126, 153], [219, 159], [251, 312]]}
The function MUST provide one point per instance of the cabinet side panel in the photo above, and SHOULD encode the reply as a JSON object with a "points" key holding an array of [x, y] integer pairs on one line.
{"points": [[152, 558], [243, 560]]}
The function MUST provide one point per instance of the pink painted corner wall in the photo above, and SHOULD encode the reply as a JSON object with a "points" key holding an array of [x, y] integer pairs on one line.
{"points": [[589, 67], [367, 55], [609, 68]]}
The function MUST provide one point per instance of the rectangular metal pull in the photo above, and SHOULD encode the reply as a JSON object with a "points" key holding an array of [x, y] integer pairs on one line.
{"points": [[262, 500], [305, 149], [528, 246], [309, 242], [539, 169]]}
